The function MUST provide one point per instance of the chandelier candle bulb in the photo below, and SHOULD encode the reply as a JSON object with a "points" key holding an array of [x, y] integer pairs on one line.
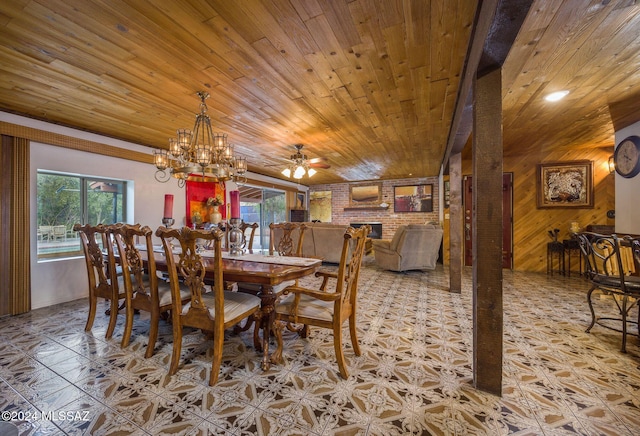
{"points": [[235, 204], [168, 206]]}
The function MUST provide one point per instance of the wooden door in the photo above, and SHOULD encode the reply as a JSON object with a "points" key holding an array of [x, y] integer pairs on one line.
{"points": [[507, 220]]}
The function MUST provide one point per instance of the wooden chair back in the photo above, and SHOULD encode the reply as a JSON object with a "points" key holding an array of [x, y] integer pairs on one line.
{"points": [[349, 269], [206, 311], [286, 238], [141, 283], [327, 309], [101, 271], [247, 241]]}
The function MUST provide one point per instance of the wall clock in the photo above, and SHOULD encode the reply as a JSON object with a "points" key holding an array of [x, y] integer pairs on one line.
{"points": [[627, 157]]}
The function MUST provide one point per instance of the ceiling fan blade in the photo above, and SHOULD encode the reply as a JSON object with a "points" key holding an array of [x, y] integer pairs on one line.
{"points": [[322, 165], [317, 160]]}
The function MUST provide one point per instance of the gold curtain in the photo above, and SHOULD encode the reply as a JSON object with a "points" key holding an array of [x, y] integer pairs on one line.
{"points": [[15, 258]]}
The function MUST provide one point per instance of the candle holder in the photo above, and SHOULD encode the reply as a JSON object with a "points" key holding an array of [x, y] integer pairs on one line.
{"points": [[236, 246], [168, 222]]}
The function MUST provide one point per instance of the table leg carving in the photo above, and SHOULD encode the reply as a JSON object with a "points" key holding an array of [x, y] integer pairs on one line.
{"points": [[276, 357], [267, 318]]}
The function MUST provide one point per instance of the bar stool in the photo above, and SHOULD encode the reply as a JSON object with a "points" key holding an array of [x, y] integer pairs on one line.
{"points": [[555, 251]]}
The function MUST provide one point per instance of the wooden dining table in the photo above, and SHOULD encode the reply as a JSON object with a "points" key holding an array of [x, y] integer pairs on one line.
{"points": [[265, 270]]}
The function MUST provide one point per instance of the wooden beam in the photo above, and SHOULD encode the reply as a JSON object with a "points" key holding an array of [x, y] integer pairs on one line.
{"points": [[487, 236], [456, 238], [482, 24], [497, 25]]}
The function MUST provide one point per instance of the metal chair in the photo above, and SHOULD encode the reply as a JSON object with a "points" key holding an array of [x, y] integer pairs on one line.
{"points": [[607, 273]]}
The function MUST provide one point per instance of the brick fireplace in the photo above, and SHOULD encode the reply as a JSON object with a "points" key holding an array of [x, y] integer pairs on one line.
{"points": [[376, 229]]}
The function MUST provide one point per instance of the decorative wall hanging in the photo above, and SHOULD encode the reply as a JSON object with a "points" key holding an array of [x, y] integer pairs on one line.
{"points": [[204, 201], [369, 194], [320, 206], [565, 184], [413, 198]]}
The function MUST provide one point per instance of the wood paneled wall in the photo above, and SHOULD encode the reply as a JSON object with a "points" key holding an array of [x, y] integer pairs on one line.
{"points": [[531, 224]]}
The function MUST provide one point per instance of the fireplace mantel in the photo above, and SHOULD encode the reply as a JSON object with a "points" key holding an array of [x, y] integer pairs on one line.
{"points": [[355, 209]]}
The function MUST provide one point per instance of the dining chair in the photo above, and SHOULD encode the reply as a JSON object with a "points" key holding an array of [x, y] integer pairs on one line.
{"points": [[302, 307], [247, 241], [209, 311], [286, 238], [104, 279], [608, 274], [144, 290]]}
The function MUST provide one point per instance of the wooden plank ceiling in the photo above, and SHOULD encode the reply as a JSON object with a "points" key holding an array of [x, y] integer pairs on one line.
{"points": [[371, 85]]}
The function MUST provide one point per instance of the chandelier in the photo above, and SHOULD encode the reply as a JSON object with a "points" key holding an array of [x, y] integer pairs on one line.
{"points": [[299, 166], [199, 152]]}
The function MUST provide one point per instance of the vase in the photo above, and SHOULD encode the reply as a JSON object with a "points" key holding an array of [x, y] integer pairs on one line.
{"points": [[215, 216], [574, 227]]}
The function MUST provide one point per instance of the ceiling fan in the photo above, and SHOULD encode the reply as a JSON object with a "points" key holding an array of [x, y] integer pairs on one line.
{"points": [[300, 164]]}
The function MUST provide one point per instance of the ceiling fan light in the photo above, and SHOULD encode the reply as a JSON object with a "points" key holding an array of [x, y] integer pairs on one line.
{"points": [[311, 172], [299, 172], [286, 172]]}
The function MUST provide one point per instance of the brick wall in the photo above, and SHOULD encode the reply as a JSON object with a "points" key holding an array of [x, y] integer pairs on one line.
{"points": [[389, 218]]}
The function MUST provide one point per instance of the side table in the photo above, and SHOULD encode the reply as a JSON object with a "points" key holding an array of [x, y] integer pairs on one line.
{"points": [[572, 248], [555, 251]]}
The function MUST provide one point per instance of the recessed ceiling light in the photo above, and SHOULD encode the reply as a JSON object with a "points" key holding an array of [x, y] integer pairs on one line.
{"points": [[555, 96]]}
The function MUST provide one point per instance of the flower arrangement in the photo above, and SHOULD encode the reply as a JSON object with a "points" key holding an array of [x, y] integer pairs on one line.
{"points": [[214, 201]]}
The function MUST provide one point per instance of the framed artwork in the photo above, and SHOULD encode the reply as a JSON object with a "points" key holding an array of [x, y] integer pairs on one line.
{"points": [[199, 205], [369, 194], [413, 198], [320, 206], [301, 200], [565, 184]]}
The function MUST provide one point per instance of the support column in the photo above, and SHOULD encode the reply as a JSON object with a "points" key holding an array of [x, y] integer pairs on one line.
{"points": [[15, 260], [456, 255], [487, 237]]}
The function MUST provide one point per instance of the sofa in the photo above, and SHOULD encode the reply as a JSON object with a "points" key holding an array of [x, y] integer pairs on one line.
{"points": [[413, 247], [324, 241]]}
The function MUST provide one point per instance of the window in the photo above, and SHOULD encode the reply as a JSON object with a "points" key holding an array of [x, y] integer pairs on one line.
{"points": [[64, 200], [262, 206]]}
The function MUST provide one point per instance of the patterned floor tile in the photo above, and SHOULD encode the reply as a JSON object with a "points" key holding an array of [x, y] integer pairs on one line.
{"points": [[414, 377]]}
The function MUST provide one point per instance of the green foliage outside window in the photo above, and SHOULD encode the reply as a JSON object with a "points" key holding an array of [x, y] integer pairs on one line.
{"points": [[64, 200]]}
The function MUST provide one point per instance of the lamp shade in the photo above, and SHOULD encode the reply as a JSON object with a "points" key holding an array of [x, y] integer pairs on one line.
{"points": [[299, 172]]}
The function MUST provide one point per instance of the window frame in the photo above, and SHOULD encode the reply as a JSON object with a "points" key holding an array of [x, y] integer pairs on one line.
{"points": [[84, 182]]}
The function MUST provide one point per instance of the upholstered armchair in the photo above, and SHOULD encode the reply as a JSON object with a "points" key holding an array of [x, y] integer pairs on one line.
{"points": [[413, 247]]}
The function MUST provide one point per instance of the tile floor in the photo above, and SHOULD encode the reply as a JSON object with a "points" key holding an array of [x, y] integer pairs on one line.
{"points": [[414, 376]]}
